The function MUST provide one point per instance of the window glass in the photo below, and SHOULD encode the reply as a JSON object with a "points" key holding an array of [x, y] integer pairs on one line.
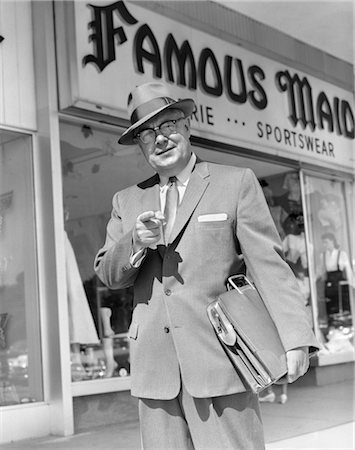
{"points": [[95, 166], [331, 263], [283, 194], [282, 191], [20, 362]]}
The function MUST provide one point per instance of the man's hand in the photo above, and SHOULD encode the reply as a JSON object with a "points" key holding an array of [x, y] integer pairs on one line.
{"points": [[297, 363], [148, 229]]}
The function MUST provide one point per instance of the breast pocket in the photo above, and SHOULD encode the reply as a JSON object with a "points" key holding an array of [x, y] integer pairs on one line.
{"points": [[213, 221], [214, 225]]}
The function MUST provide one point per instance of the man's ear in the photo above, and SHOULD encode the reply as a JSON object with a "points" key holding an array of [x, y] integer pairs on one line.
{"points": [[187, 124]]}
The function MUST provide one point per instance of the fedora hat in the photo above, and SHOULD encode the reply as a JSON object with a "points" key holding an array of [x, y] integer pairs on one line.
{"points": [[148, 100]]}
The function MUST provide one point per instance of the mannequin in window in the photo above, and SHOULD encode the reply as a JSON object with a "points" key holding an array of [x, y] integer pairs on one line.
{"points": [[291, 200], [82, 330], [338, 276], [329, 214], [115, 314], [107, 340], [303, 282]]}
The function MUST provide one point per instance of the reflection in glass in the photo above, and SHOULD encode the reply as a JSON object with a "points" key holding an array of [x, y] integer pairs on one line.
{"points": [[94, 168], [20, 362], [283, 195], [334, 279]]}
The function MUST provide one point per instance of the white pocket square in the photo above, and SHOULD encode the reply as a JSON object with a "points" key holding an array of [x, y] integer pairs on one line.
{"points": [[212, 217]]}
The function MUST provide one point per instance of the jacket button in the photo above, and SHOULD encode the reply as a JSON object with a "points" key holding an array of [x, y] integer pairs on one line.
{"points": [[166, 329], [167, 292]]}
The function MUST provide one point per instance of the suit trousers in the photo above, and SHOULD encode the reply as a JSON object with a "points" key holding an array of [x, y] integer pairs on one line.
{"points": [[226, 422]]}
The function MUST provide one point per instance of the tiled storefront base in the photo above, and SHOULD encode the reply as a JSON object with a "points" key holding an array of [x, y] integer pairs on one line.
{"points": [[104, 409], [323, 375], [120, 408]]}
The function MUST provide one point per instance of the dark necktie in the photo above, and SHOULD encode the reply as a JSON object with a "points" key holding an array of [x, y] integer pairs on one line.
{"points": [[171, 204]]}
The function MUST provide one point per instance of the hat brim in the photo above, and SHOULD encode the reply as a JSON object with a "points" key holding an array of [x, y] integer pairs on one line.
{"points": [[187, 105]]}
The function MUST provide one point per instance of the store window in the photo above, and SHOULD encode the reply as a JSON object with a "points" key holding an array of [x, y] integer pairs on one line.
{"points": [[328, 218], [20, 349], [95, 166], [282, 190], [283, 194]]}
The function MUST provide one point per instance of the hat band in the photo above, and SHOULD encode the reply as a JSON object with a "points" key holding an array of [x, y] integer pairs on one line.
{"points": [[149, 107]]}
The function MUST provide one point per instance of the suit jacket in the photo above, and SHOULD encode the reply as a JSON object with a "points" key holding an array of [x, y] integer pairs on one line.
{"points": [[170, 334]]}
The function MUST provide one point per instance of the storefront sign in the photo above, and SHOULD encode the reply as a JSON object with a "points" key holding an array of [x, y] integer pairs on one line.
{"points": [[17, 87], [242, 98]]}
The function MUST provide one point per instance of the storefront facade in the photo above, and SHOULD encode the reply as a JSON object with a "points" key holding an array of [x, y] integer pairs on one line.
{"points": [[287, 114]]}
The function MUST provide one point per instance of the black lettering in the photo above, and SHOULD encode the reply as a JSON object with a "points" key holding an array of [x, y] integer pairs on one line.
{"points": [[347, 119], [324, 148], [194, 115], [336, 115], [143, 36], [294, 137], [324, 112], [278, 134], [207, 58], [209, 115], [198, 114], [258, 96], [259, 126], [241, 96], [331, 149], [287, 136], [309, 143], [300, 100], [203, 114], [104, 33], [181, 58], [301, 141]]}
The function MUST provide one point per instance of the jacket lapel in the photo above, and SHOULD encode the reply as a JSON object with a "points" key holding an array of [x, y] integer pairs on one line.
{"points": [[197, 185]]}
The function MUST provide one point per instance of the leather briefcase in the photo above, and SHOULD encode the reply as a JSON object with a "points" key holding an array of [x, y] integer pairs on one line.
{"points": [[248, 334]]}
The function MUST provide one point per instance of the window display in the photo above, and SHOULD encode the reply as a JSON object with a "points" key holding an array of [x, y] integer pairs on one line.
{"points": [[20, 350], [333, 272], [283, 194], [82, 329], [94, 167]]}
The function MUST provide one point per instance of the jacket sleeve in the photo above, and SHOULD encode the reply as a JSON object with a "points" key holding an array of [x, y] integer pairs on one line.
{"points": [[275, 281], [113, 261]]}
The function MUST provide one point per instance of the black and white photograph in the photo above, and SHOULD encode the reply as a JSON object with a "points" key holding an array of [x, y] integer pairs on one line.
{"points": [[177, 212]]}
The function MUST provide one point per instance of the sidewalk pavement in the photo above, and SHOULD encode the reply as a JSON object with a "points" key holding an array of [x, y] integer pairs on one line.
{"points": [[335, 438], [314, 417]]}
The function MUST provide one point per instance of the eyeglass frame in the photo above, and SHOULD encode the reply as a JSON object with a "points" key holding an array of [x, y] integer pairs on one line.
{"points": [[137, 137]]}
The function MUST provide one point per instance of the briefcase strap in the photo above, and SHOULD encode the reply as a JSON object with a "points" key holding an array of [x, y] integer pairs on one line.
{"points": [[239, 282]]}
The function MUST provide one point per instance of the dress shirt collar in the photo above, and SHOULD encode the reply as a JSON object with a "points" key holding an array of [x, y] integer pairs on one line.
{"points": [[184, 176]]}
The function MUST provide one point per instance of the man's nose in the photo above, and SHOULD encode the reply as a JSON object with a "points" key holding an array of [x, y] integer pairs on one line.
{"points": [[160, 140]]}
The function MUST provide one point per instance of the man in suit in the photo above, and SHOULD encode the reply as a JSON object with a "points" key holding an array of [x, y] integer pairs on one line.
{"points": [[177, 242]]}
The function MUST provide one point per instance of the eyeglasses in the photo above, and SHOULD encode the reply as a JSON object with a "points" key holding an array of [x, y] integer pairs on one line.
{"points": [[147, 136]]}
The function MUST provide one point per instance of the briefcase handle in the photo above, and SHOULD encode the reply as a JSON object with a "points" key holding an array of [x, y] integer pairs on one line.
{"points": [[239, 282]]}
